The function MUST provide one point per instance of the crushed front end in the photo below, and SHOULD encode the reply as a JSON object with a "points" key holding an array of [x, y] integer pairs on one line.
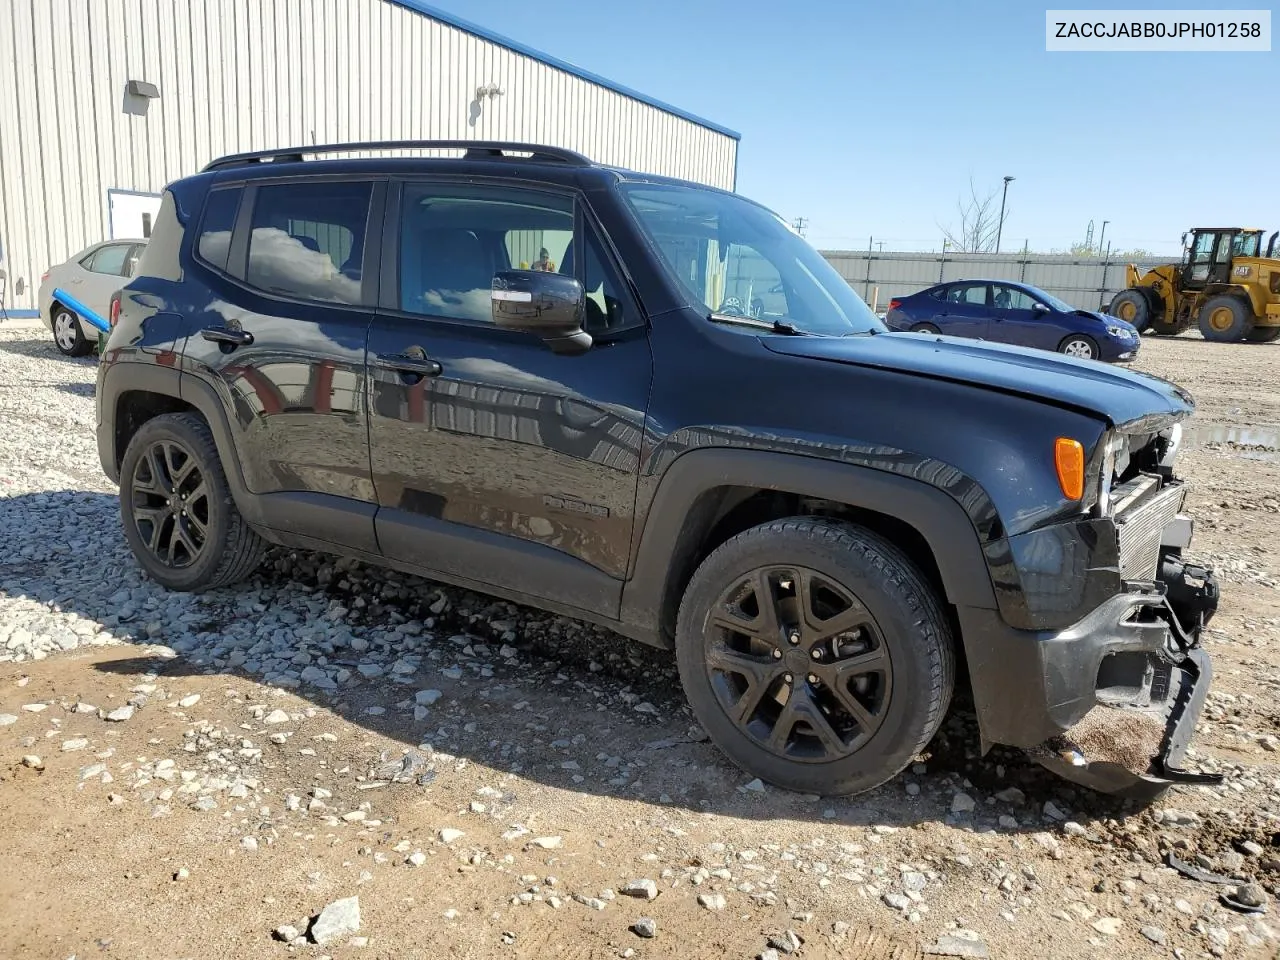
{"points": [[1111, 700]]}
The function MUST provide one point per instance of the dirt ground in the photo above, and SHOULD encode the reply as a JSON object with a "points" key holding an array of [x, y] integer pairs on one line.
{"points": [[491, 797]]}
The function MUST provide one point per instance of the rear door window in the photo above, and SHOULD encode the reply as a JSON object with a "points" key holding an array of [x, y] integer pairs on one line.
{"points": [[307, 240], [109, 259], [973, 294]]}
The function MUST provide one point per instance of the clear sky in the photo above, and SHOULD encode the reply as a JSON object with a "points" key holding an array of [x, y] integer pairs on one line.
{"points": [[869, 118]]}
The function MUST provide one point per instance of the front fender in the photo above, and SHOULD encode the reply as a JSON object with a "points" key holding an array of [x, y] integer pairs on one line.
{"points": [[679, 516]]}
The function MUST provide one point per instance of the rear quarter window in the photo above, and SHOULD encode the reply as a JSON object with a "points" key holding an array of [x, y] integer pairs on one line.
{"points": [[216, 226]]}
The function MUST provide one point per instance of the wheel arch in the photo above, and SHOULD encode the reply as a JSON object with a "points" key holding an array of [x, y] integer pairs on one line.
{"points": [[133, 393], [707, 496], [1250, 294]]}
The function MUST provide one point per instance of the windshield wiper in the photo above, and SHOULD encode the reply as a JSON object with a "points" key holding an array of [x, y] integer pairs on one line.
{"points": [[772, 326]]}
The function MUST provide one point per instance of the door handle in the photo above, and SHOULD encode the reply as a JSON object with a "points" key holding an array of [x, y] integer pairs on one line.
{"points": [[234, 338], [408, 363]]}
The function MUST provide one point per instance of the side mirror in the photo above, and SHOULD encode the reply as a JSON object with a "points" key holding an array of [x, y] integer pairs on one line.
{"points": [[548, 305], [1038, 307]]}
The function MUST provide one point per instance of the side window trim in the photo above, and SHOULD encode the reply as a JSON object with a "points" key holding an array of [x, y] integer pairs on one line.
{"points": [[238, 255], [612, 264]]}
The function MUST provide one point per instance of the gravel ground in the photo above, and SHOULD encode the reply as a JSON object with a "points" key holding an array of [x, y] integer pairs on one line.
{"points": [[333, 760]]}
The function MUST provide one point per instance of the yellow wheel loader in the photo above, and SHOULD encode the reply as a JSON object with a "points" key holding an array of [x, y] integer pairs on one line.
{"points": [[1225, 284]]}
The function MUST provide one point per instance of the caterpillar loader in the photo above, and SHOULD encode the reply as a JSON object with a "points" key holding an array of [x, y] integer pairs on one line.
{"points": [[1225, 284]]}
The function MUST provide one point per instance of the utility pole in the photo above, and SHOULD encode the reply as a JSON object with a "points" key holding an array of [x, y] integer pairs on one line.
{"points": [[1102, 236], [1003, 197], [800, 223]]}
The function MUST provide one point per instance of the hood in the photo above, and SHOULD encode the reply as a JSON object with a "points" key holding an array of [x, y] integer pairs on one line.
{"points": [[1109, 320], [1117, 395]]}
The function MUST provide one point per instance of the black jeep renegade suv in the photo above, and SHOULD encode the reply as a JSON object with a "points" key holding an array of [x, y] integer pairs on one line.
{"points": [[651, 405]]}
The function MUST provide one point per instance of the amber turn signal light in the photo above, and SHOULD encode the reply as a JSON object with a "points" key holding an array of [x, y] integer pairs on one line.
{"points": [[1068, 459]]}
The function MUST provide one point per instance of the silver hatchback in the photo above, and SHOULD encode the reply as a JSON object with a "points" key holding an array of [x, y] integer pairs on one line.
{"points": [[75, 296]]}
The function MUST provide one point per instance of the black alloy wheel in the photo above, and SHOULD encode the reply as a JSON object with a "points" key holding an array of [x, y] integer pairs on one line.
{"points": [[170, 504], [799, 663]]}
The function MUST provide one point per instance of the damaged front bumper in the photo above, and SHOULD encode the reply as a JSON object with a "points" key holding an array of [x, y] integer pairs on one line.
{"points": [[1112, 701]]}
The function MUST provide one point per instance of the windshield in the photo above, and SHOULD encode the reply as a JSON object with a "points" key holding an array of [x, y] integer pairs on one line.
{"points": [[1060, 305], [736, 258]]}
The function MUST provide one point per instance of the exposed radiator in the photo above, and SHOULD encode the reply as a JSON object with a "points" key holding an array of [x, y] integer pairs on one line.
{"points": [[1140, 530]]}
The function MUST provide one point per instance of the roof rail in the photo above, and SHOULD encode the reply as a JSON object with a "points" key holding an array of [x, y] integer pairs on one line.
{"points": [[475, 150]]}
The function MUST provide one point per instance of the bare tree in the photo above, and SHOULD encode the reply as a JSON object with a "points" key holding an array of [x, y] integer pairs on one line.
{"points": [[979, 222]]}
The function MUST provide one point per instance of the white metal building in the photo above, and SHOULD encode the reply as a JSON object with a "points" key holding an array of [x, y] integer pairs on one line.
{"points": [[103, 102]]}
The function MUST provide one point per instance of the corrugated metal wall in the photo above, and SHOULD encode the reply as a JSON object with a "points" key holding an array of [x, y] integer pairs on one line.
{"points": [[1082, 282], [239, 75]]}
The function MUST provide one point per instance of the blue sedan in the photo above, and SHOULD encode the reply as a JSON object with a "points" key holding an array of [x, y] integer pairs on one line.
{"points": [[1014, 313]]}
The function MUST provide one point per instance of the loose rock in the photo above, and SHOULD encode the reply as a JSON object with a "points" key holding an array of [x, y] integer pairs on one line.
{"points": [[1155, 935], [642, 889], [1109, 926], [961, 943], [338, 919]]}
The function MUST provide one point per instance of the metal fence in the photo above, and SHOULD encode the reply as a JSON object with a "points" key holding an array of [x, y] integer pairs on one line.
{"points": [[1087, 283]]}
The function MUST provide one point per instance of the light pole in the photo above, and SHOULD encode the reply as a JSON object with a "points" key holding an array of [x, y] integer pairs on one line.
{"points": [[1003, 197], [1102, 235]]}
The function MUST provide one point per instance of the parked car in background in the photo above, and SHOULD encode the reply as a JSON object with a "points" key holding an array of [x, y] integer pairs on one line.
{"points": [[75, 296], [1014, 313]]}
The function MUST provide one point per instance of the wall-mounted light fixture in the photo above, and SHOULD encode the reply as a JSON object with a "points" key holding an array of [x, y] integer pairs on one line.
{"points": [[140, 88]]}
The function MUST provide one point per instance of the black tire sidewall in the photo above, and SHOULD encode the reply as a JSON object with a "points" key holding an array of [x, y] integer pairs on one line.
{"points": [[178, 428], [1241, 316], [1142, 314], [907, 724]]}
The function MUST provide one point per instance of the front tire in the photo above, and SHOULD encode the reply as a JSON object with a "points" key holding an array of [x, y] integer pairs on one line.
{"points": [[1225, 319], [68, 336], [815, 655], [1132, 306], [179, 518], [1079, 346]]}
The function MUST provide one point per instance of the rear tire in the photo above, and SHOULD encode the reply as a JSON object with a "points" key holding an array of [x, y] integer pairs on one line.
{"points": [[927, 328], [179, 518], [1132, 306], [1263, 335], [68, 336], [1079, 346], [834, 702], [1226, 319]]}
